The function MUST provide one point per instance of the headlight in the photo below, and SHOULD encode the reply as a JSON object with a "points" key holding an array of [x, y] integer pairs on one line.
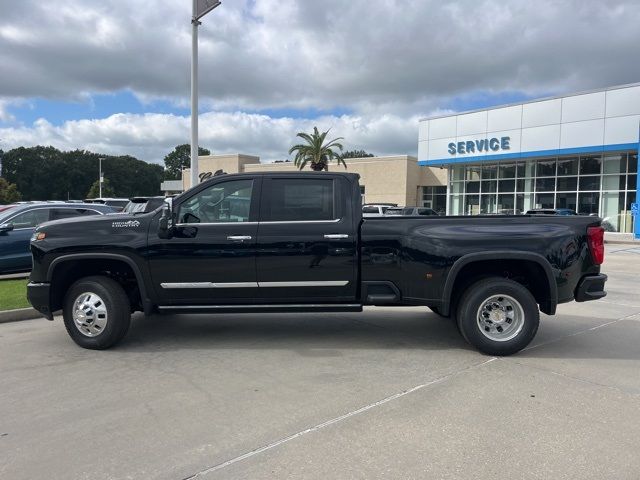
{"points": [[38, 236]]}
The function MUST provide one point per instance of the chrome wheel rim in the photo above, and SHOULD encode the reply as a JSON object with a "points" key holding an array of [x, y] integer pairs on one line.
{"points": [[500, 318], [90, 314]]}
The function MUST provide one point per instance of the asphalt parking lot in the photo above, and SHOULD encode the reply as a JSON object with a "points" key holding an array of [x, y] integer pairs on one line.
{"points": [[389, 393]]}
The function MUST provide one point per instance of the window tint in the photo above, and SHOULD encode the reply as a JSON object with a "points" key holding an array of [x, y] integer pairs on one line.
{"points": [[222, 202], [301, 199], [30, 219], [58, 213]]}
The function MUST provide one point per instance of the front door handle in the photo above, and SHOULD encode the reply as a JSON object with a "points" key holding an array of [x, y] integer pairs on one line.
{"points": [[239, 238], [334, 236]]}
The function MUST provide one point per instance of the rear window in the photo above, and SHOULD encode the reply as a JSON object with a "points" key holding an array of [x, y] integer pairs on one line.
{"points": [[58, 213], [369, 209], [292, 200]]}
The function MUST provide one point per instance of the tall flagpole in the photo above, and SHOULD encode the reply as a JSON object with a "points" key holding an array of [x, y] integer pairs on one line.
{"points": [[199, 9], [194, 95]]}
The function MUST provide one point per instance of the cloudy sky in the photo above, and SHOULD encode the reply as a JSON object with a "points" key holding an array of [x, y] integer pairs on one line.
{"points": [[112, 76]]}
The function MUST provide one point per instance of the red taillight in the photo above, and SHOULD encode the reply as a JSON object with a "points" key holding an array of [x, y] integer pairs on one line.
{"points": [[595, 237]]}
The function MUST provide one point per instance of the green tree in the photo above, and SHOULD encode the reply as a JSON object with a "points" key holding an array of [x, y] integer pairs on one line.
{"points": [[356, 154], [178, 159], [94, 191], [8, 192], [316, 151], [46, 173]]}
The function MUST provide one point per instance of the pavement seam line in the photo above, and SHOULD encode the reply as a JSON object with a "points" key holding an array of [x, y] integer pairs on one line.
{"points": [[334, 421], [627, 317], [570, 377]]}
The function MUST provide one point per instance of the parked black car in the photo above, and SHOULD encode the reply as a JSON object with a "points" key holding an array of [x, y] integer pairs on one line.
{"points": [[551, 211], [297, 242]]}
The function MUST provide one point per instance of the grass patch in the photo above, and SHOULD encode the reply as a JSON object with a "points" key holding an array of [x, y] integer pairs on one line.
{"points": [[13, 294]]}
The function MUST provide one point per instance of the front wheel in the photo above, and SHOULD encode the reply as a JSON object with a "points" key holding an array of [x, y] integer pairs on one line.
{"points": [[498, 316], [96, 312]]}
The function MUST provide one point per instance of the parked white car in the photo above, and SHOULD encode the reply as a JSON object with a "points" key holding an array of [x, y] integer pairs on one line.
{"points": [[376, 209]]}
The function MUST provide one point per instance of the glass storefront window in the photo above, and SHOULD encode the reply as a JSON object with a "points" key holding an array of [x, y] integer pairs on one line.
{"points": [[588, 203], [589, 183], [457, 187], [526, 168], [566, 200], [613, 182], [544, 200], [506, 185], [489, 172], [545, 185], [507, 170], [590, 164], [612, 211], [567, 184], [524, 202], [487, 204], [568, 166], [633, 163], [456, 205], [489, 186], [472, 204], [632, 182], [628, 225], [615, 163], [506, 204], [457, 172], [546, 168], [472, 173], [473, 187]]}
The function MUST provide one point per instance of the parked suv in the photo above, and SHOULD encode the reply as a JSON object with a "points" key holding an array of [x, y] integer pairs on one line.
{"points": [[18, 221], [410, 211], [376, 209]]}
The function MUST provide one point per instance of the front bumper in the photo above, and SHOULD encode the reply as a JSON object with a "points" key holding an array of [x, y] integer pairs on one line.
{"points": [[591, 287], [38, 295]]}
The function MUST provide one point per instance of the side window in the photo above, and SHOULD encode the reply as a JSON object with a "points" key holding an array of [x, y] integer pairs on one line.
{"points": [[301, 199], [369, 209], [58, 213], [222, 202], [30, 219]]}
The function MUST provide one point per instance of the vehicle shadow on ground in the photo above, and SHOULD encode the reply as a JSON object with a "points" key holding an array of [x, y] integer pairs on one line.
{"points": [[317, 331], [559, 337]]}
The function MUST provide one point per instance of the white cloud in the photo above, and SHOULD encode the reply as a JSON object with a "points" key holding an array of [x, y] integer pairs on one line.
{"points": [[384, 55], [151, 136]]}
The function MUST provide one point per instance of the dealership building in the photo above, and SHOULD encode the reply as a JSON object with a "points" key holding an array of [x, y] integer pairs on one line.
{"points": [[577, 151]]}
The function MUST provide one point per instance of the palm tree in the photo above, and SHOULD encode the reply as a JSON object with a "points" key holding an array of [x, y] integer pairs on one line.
{"points": [[316, 151]]}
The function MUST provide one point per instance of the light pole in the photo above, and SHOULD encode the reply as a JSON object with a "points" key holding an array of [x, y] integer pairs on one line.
{"points": [[200, 9], [100, 179]]}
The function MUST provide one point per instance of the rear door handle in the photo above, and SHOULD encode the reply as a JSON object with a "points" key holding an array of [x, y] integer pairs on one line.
{"points": [[334, 236], [239, 238]]}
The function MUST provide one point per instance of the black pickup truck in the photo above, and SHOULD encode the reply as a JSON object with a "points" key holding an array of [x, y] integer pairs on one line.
{"points": [[297, 242]]}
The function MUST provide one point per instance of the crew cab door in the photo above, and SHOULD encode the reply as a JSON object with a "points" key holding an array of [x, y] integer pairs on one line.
{"points": [[306, 240], [211, 258]]}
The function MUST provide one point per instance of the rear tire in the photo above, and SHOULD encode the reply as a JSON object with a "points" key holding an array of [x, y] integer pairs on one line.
{"points": [[498, 316], [96, 312]]}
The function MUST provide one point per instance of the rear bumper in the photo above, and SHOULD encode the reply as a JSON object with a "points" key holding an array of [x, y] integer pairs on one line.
{"points": [[38, 295], [591, 287]]}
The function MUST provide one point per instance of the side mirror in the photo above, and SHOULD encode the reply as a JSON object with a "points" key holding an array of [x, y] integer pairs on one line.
{"points": [[165, 224], [6, 227]]}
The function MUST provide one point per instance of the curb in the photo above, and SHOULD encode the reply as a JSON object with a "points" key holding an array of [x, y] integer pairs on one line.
{"points": [[19, 314]]}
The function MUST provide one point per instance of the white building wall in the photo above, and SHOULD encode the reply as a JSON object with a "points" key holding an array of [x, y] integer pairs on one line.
{"points": [[603, 118]]}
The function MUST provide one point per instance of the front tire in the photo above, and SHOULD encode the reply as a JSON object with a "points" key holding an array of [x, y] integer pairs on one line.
{"points": [[96, 312], [498, 316]]}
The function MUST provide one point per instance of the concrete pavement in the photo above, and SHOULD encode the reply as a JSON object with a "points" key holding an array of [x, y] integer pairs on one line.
{"points": [[390, 393]]}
